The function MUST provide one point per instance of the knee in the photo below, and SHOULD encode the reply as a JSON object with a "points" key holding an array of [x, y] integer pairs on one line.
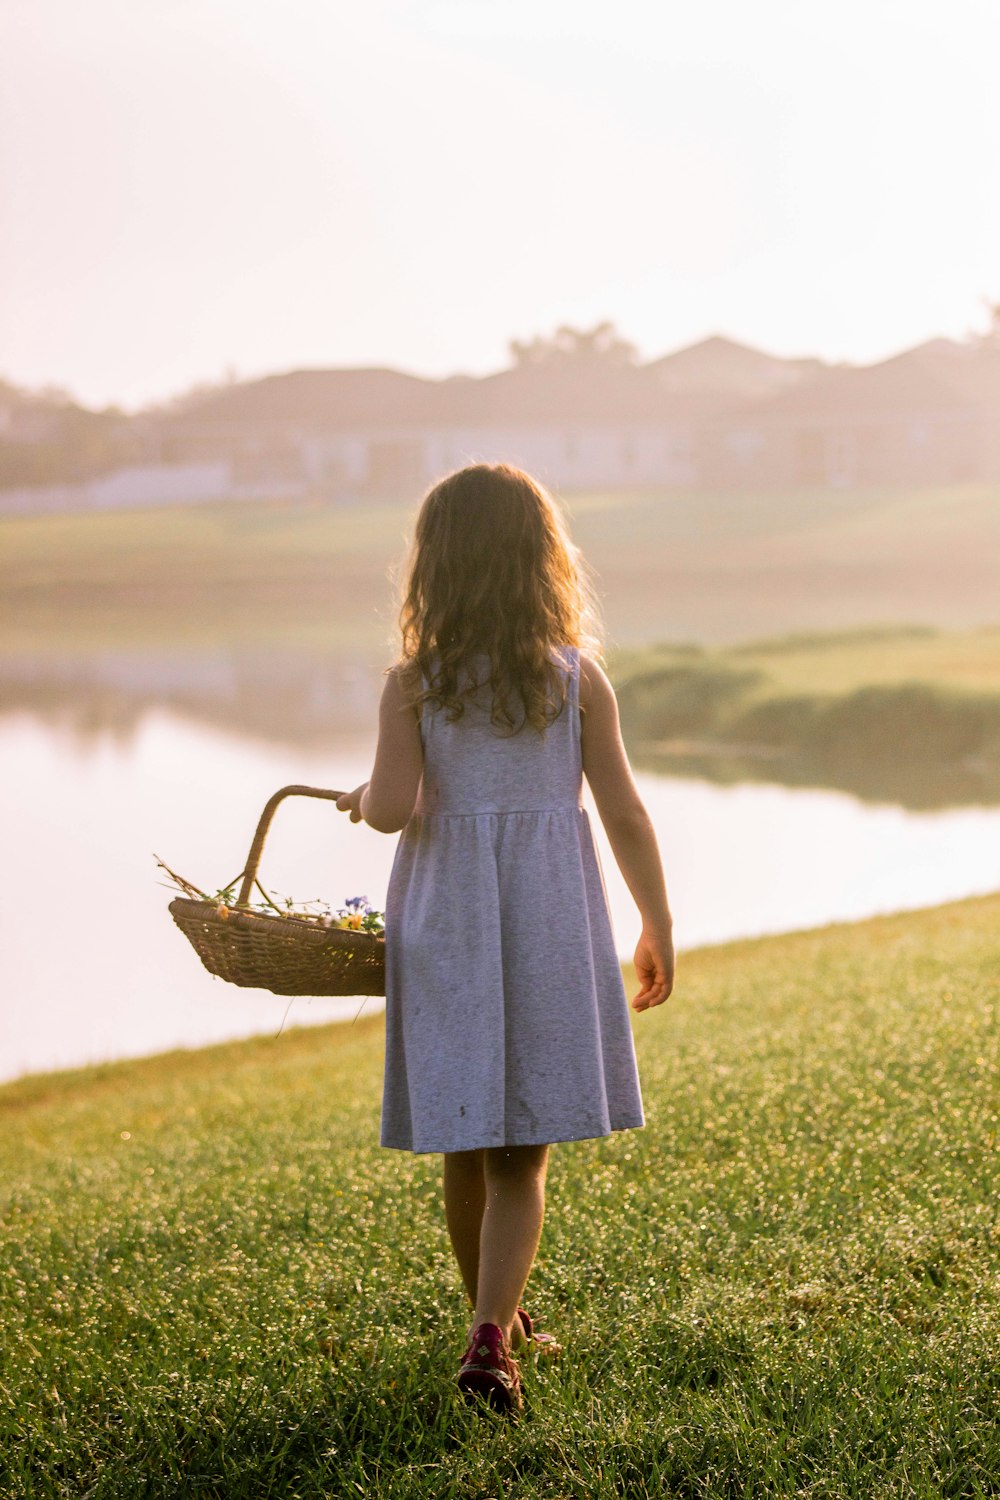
{"points": [[515, 1164]]}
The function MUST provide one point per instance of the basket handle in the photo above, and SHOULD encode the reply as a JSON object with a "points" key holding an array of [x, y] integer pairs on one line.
{"points": [[257, 847]]}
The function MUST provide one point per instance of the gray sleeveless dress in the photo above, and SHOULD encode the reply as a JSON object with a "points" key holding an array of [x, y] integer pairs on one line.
{"points": [[506, 1017]]}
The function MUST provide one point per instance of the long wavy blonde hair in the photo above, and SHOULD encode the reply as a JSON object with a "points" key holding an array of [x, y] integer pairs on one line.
{"points": [[493, 574]]}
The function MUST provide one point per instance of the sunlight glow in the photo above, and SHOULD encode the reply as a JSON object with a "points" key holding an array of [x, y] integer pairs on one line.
{"points": [[193, 186]]}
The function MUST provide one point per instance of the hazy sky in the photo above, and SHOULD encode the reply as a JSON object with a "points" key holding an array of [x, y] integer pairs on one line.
{"points": [[192, 185]]}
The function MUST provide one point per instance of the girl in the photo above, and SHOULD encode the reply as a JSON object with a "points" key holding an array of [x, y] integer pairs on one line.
{"points": [[506, 1019]]}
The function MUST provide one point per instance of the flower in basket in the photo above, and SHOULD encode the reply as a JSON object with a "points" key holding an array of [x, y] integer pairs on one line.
{"points": [[357, 915]]}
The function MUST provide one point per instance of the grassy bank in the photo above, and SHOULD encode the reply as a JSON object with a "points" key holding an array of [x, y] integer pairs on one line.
{"points": [[215, 1283], [671, 565], [909, 714]]}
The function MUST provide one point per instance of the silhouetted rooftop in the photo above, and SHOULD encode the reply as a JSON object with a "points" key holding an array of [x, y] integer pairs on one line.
{"points": [[723, 366], [559, 390], [896, 387], [716, 378]]}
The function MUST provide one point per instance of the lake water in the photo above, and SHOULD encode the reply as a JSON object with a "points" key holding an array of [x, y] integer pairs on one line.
{"points": [[93, 968]]}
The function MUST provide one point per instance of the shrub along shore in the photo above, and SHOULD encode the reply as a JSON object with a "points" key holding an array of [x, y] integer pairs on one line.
{"points": [[216, 1283], [904, 713]]}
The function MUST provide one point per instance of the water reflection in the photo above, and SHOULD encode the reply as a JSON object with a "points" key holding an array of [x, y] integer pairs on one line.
{"points": [[875, 777], [300, 696], [286, 697], [92, 967]]}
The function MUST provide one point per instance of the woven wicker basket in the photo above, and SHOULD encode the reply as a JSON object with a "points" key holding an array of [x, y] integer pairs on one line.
{"points": [[287, 955]]}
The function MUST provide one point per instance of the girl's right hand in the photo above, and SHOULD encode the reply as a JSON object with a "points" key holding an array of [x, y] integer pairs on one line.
{"points": [[654, 967], [350, 802]]}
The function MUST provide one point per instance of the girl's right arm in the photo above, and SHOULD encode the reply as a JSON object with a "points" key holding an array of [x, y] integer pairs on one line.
{"points": [[629, 830], [386, 801]]}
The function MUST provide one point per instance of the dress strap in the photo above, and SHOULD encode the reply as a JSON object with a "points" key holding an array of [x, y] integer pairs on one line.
{"points": [[571, 658], [573, 653]]}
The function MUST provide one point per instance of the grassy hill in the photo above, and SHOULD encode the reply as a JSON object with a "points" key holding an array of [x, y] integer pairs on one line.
{"points": [[215, 1283], [671, 566], [834, 663]]}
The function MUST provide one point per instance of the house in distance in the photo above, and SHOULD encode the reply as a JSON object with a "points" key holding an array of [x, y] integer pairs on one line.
{"points": [[715, 415], [578, 409]]}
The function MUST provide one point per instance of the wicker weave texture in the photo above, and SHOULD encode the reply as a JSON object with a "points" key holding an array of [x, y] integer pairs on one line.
{"points": [[286, 955]]}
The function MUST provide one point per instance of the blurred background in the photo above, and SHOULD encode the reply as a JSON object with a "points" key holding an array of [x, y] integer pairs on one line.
{"points": [[726, 279]]}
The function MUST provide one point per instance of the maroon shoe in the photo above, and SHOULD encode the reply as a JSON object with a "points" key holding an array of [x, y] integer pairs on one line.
{"points": [[488, 1371], [539, 1345]]}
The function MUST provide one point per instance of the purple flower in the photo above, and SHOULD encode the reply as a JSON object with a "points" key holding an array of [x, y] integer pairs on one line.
{"points": [[357, 903]]}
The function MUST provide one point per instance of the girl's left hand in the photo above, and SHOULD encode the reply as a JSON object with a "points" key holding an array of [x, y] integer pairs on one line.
{"points": [[654, 968], [350, 802]]}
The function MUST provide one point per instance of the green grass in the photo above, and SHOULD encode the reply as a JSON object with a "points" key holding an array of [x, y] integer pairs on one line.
{"points": [[671, 565], [834, 663], [216, 1284], [201, 575]]}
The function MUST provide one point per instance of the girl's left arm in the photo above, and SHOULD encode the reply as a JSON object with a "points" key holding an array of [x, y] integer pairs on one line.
{"points": [[387, 800]]}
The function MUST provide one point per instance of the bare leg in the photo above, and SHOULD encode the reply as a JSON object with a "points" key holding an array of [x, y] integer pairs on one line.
{"points": [[514, 1179], [464, 1201]]}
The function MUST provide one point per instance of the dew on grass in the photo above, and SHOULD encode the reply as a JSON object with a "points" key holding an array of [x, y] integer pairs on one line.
{"points": [[794, 1231]]}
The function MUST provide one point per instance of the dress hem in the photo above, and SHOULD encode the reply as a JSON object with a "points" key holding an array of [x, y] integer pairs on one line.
{"points": [[552, 1140]]}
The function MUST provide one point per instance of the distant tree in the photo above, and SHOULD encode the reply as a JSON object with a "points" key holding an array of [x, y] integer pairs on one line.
{"points": [[45, 395], [46, 437], [567, 345], [54, 395], [193, 395], [992, 334]]}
